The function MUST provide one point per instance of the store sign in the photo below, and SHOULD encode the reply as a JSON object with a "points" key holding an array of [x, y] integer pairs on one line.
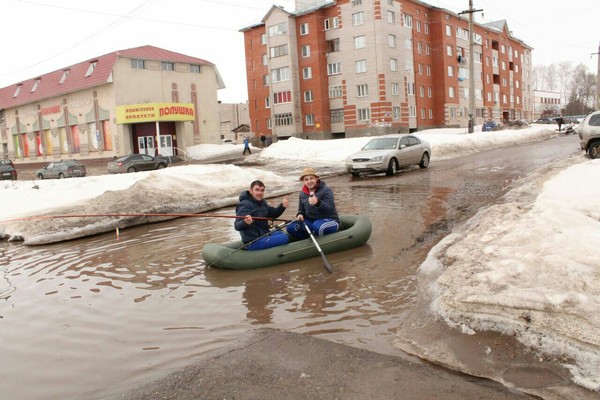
{"points": [[151, 112]]}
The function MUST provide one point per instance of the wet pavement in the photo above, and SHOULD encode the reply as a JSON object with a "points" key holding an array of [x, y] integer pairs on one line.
{"points": [[96, 317]]}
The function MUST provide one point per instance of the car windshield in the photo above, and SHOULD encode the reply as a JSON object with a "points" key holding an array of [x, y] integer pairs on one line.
{"points": [[381, 144], [5, 162]]}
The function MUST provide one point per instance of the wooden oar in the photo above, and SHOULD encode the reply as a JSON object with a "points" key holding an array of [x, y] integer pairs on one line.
{"points": [[327, 265]]}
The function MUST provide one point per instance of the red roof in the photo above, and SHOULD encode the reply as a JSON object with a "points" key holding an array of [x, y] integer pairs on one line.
{"points": [[49, 84]]}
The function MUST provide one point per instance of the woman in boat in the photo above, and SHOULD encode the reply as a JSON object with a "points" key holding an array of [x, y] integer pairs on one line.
{"points": [[316, 208], [252, 204]]}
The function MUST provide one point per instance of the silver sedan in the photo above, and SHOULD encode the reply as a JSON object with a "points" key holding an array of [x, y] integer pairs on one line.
{"points": [[388, 154]]}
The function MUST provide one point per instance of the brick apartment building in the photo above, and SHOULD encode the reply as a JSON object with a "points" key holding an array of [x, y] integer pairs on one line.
{"points": [[140, 100], [363, 67]]}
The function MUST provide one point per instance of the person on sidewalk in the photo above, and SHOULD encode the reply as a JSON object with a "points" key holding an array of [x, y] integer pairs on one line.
{"points": [[246, 145], [252, 204], [560, 121], [316, 208]]}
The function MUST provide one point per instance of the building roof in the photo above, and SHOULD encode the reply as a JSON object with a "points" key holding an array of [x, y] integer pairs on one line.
{"points": [[49, 85]]}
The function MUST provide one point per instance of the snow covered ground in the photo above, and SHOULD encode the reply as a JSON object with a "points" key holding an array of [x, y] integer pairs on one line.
{"points": [[528, 267]]}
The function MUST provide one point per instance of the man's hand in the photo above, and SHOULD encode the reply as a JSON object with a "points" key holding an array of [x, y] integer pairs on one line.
{"points": [[300, 218], [312, 200], [248, 219], [285, 202]]}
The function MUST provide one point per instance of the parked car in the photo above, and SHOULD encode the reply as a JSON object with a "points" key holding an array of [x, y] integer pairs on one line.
{"points": [[227, 141], [62, 169], [589, 134], [136, 162], [388, 154], [7, 170], [544, 121]]}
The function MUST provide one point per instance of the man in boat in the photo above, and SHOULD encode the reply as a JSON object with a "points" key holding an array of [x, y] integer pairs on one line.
{"points": [[316, 208], [252, 204]]}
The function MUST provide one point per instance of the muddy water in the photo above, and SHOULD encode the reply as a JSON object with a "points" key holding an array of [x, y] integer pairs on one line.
{"points": [[94, 317]]}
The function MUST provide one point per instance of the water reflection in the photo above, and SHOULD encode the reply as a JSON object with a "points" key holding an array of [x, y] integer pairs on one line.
{"points": [[116, 310]]}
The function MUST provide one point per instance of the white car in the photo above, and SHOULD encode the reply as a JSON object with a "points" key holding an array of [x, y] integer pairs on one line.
{"points": [[388, 154], [589, 134]]}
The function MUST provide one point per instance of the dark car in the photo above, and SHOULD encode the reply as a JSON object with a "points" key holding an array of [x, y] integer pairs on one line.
{"points": [[62, 169], [136, 162], [7, 170], [544, 121]]}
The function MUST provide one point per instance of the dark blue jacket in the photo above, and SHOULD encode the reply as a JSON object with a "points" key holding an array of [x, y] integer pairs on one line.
{"points": [[248, 205], [325, 207]]}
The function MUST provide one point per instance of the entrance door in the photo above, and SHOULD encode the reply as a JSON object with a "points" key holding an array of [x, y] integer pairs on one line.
{"points": [[166, 145], [146, 145]]}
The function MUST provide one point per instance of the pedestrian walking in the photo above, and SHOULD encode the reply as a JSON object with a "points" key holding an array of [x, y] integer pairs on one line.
{"points": [[247, 146]]}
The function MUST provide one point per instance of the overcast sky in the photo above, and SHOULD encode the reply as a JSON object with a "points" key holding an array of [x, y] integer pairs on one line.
{"points": [[40, 36]]}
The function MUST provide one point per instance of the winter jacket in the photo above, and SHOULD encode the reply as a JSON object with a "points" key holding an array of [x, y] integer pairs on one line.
{"points": [[325, 207], [248, 205]]}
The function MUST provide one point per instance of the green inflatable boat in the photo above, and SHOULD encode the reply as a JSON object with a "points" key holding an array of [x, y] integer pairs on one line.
{"points": [[354, 231]]}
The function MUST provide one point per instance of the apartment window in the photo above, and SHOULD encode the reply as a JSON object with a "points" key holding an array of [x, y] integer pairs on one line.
{"points": [[503, 81], [337, 115], [449, 50], [429, 91], [310, 119], [331, 23], [356, 3], [418, 26], [429, 70], [304, 29], [334, 68], [306, 51], [364, 114], [420, 69], [167, 66], [391, 17], [408, 21], [395, 113], [280, 74], [64, 76], [136, 63], [517, 84], [278, 51], [308, 96], [277, 30], [477, 57], [195, 69], [393, 64], [265, 59], [91, 68], [360, 66], [419, 47], [427, 48], [504, 98], [463, 73], [430, 113], [410, 89], [450, 70], [362, 90], [284, 119], [267, 102], [266, 80], [422, 113], [333, 45], [335, 91], [502, 49], [422, 91], [263, 38], [269, 123], [448, 30], [282, 97], [426, 25], [408, 43], [462, 33], [503, 66], [359, 42], [392, 40], [451, 92], [307, 72], [395, 89], [412, 111], [358, 18]]}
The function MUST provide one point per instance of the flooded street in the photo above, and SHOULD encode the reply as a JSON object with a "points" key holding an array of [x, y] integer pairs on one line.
{"points": [[94, 317]]}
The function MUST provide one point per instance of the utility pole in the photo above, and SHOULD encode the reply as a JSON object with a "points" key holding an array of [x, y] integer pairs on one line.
{"points": [[470, 11], [597, 79]]}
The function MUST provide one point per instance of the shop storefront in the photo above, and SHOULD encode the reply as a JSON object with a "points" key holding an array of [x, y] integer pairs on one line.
{"points": [[153, 126]]}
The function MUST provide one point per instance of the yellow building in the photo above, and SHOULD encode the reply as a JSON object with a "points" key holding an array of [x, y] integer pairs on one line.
{"points": [[140, 100]]}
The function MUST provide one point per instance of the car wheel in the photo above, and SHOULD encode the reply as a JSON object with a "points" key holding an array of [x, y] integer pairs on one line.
{"points": [[424, 161], [355, 174], [131, 169], [61, 176], [40, 176], [392, 167], [594, 150], [161, 166]]}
